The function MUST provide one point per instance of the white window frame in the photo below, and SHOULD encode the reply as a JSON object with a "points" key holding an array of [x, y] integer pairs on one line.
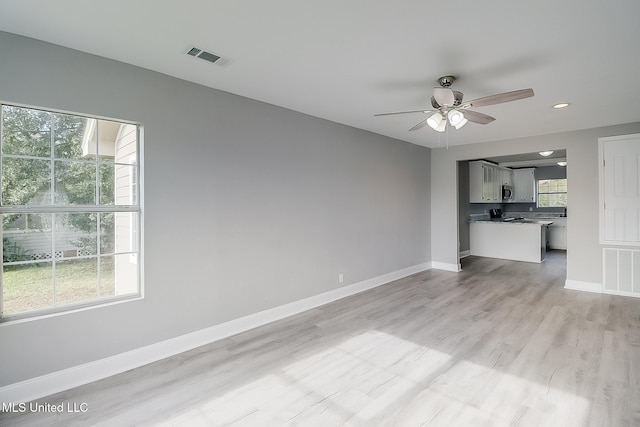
{"points": [[134, 198], [538, 193], [134, 210]]}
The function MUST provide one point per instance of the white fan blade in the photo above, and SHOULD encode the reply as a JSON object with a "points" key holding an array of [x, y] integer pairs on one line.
{"points": [[419, 125], [501, 97], [444, 96], [475, 117], [402, 112]]}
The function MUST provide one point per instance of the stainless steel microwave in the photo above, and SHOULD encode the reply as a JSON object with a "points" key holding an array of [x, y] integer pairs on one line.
{"points": [[507, 192]]}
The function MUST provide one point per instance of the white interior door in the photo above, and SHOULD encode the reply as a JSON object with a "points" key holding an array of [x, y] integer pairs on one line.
{"points": [[620, 190]]}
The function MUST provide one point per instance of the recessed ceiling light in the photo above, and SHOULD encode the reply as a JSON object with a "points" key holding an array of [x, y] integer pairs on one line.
{"points": [[545, 153], [562, 163], [561, 105]]}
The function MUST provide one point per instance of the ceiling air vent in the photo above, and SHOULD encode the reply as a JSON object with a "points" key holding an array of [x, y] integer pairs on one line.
{"points": [[207, 56], [194, 51]]}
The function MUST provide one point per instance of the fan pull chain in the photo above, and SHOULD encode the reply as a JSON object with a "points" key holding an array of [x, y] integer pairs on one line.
{"points": [[447, 132]]}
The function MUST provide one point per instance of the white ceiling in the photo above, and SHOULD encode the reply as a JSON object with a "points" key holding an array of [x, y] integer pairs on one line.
{"points": [[346, 60]]}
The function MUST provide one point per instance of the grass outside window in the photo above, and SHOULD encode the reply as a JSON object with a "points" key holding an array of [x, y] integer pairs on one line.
{"points": [[32, 286]]}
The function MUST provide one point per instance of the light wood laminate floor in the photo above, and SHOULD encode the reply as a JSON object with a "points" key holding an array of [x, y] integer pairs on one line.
{"points": [[501, 343]]}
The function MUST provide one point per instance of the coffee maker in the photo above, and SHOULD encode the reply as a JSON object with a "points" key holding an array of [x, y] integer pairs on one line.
{"points": [[495, 213]]}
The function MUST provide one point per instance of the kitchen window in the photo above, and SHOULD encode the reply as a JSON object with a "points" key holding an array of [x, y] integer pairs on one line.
{"points": [[70, 211], [552, 193]]}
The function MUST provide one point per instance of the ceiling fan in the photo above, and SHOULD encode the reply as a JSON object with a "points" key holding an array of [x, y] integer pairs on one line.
{"points": [[448, 106]]}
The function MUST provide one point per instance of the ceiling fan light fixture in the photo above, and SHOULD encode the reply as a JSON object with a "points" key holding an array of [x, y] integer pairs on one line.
{"points": [[449, 107], [435, 121], [462, 123], [545, 153], [455, 117]]}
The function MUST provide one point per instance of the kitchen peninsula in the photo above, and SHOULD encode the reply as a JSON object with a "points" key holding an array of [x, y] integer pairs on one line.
{"points": [[508, 238]]}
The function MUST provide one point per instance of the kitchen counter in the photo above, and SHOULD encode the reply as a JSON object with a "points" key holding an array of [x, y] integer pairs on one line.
{"points": [[518, 240], [523, 221]]}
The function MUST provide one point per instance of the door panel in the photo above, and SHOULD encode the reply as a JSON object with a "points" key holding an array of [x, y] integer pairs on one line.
{"points": [[621, 190]]}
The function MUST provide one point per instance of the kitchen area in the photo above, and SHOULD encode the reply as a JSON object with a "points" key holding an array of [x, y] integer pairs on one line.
{"points": [[513, 207]]}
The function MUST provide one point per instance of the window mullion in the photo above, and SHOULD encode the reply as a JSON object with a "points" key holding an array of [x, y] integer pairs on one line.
{"points": [[53, 256], [52, 186], [97, 182], [68, 208], [98, 248]]}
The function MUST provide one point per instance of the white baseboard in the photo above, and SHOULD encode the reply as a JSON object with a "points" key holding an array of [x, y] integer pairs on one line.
{"points": [[65, 379], [464, 254], [446, 266], [621, 293], [578, 285]]}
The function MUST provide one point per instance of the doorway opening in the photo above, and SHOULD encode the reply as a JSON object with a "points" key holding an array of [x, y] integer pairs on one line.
{"points": [[546, 200]]}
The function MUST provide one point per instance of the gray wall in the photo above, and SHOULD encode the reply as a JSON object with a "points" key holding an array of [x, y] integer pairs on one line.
{"points": [[584, 254], [465, 208], [247, 206], [551, 172]]}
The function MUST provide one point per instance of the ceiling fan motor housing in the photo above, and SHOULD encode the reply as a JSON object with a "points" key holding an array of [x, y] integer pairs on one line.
{"points": [[446, 81]]}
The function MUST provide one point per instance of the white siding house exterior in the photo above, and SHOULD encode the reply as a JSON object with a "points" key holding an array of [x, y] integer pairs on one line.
{"points": [[126, 223]]}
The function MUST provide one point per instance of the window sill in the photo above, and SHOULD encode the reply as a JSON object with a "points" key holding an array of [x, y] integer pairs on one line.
{"points": [[14, 319]]}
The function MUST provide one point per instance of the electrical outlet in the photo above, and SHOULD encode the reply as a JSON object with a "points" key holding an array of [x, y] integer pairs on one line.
{"points": [[340, 278]]}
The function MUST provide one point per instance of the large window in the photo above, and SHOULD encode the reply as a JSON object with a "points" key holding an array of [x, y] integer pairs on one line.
{"points": [[552, 193], [70, 210]]}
